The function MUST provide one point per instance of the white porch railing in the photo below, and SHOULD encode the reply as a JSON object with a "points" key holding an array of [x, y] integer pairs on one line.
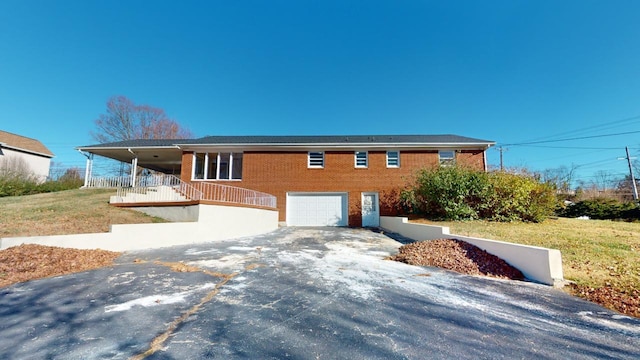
{"points": [[169, 188], [233, 194], [108, 182]]}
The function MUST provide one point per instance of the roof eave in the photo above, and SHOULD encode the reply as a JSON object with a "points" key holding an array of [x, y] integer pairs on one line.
{"points": [[89, 148], [4, 145], [368, 145]]}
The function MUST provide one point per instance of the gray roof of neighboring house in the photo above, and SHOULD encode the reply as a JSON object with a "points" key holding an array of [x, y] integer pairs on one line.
{"points": [[296, 139], [23, 143]]}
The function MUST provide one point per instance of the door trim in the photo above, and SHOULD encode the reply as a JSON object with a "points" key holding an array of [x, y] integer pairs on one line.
{"points": [[373, 218]]}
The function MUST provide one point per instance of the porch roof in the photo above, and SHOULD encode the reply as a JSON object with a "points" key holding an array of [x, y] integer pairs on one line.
{"points": [[161, 155]]}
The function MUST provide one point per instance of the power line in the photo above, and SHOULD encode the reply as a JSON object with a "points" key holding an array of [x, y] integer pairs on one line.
{"points": [[604, 126], [570, 139], [576, 147]]}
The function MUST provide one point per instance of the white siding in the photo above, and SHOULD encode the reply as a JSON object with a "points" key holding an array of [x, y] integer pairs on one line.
{"points": [[38, 165]]}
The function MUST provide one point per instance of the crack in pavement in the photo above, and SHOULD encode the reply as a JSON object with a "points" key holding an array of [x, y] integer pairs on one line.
{"points": [[158, 341]]}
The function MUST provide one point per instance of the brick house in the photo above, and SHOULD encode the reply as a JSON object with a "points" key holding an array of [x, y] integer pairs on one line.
{"points": [[317, 180]]}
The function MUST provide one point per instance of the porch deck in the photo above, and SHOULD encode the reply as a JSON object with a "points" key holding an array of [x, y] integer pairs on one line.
{"points": [[168, 190]]}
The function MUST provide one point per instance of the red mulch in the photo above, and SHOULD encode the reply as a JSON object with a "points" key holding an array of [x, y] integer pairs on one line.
{"points": [[30, 261], [458, 256]]}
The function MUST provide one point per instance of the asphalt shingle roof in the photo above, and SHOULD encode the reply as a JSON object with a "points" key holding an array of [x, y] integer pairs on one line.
{"points": [[296, 139], [324, 139], [24, 143]]}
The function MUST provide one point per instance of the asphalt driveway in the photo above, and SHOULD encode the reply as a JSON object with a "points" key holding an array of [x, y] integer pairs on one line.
{"points": [[300, 293]]}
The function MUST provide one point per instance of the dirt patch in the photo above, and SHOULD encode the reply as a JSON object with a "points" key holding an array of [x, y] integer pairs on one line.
{"points": [[29, 261], [458, 256], [626, 303]]}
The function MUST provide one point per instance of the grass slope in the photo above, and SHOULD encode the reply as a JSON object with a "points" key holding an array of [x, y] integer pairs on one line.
{"points": [[595, 253], [65, 212]]}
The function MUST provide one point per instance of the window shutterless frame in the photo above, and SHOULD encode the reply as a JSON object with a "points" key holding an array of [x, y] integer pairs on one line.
{"points": [[446, 157], [361, 159], [217, 166], [393, 159]]}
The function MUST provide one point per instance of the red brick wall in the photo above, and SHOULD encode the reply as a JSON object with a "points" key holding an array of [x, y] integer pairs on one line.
{"points": [[277, 173]]}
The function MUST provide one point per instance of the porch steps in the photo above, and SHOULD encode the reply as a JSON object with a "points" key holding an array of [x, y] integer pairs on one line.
{"points": [[162, 193]]}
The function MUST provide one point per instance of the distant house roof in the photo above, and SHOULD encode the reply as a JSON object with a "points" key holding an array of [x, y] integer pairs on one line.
{"points": [[24, 144]]}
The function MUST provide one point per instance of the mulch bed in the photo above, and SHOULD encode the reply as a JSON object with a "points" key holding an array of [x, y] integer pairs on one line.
{"points": [[30, 261], [626, 303], [456, 255]]}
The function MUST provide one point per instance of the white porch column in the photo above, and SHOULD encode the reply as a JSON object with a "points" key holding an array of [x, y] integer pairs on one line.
{"points": [[88, 170], [134, 170], [134, 167]]}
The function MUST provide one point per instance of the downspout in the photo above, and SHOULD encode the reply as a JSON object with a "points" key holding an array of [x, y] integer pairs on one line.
{"points": [[484, 154], [134, 167], [88, 170]]}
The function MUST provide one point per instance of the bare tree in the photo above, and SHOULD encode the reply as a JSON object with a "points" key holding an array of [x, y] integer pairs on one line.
{"points": [[603, 180], [125, 120], [561, 177]]}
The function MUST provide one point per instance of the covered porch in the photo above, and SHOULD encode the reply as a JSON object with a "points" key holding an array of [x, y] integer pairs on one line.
{"points": [[152, 178]]}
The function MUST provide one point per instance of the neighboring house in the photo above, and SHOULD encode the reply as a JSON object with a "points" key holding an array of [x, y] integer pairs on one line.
{"points": [[317, 180], [23, 154]]}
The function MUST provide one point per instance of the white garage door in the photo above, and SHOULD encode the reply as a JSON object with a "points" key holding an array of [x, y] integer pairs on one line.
{"points": [[317, 209]]}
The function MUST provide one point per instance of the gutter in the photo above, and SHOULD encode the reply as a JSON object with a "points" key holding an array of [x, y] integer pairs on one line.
{"points": [[4, 145]]}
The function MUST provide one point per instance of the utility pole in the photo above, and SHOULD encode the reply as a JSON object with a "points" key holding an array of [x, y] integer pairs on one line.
{"points": [[633, 179], [501, 150]]}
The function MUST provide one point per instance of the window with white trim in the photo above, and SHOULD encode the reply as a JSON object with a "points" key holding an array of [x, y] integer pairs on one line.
{"points": [[447, 158], [315, 159], [393, 159], [199, 161], [361, 159], [217, 166]]}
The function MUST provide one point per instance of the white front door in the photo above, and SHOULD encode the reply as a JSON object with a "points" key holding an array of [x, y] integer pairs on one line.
{"points": [[370, 209]]}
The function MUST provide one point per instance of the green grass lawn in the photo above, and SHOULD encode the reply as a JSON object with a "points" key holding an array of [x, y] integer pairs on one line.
{"points": [[595, 253], [64, 212]]}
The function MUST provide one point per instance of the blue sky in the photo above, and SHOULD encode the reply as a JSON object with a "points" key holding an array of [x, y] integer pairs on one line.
{"points": [[503, 70]]}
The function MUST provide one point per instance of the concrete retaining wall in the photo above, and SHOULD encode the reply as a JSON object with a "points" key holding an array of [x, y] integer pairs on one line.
{"points": [[536, 263], [215, 222], [171, 213]]}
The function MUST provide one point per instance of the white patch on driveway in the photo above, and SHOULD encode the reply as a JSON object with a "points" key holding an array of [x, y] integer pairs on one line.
{"points": [[229, 261], [122, 278], [242, 248], [604, 320], [156, 300], [200, 252], [347, 266]]}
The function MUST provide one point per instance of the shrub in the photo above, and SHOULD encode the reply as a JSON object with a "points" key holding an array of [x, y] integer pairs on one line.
{"points": [[14, 184], [602, 209], [17, 185], [446, 193], [518, 197], [456, 193]]}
